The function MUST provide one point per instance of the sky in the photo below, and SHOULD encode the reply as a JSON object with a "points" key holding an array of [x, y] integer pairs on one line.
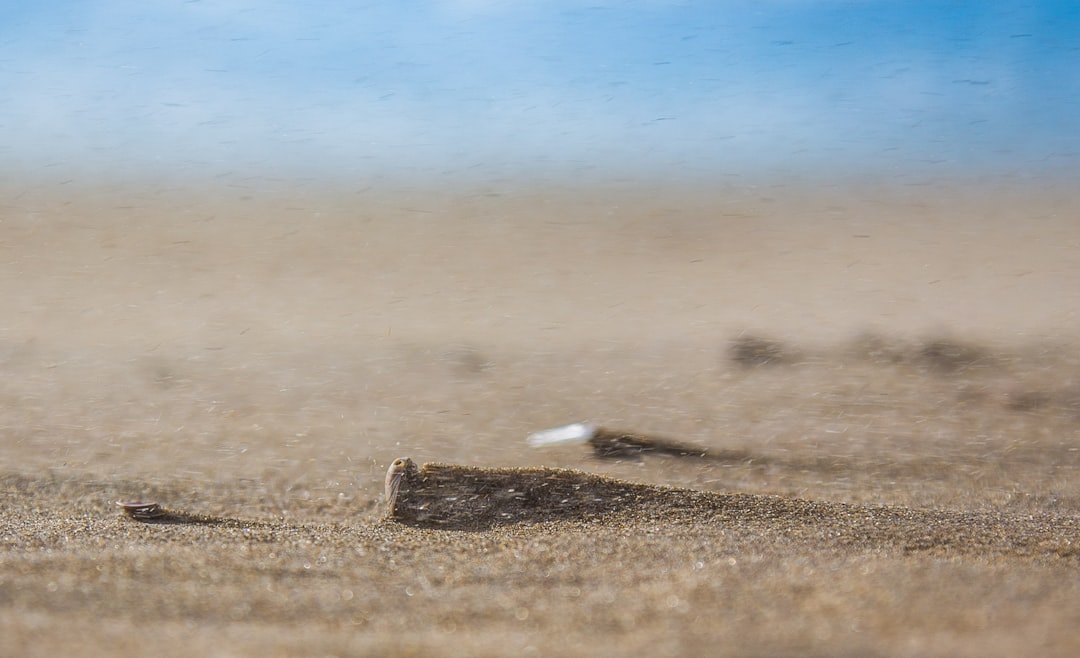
{"points": [[543, 88]]}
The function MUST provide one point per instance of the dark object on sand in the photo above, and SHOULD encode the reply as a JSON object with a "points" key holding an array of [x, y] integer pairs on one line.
{"points": [[946, 356], [142, 511], [1020, 400], [153, 513], [456, 497], [752, 351], [613, 444]]}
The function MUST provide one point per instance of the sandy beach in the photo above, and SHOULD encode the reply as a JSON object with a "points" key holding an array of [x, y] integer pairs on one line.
{"points": [[886, 378]]}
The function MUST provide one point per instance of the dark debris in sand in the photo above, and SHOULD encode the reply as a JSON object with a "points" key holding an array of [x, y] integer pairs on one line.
{"points": [[455, 497]]}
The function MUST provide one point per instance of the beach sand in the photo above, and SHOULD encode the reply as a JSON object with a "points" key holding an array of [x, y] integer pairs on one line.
{"points": [[887, 380]]}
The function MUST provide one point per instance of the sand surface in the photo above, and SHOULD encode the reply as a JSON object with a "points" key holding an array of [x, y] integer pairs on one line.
{"points": [[888, 380]]}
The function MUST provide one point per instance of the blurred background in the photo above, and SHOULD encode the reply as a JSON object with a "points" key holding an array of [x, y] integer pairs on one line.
{"points": [[550, 90], [292, 241]]}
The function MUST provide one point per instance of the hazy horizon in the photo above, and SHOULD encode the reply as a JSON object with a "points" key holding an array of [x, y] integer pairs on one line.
{"points": [[559, 90]]}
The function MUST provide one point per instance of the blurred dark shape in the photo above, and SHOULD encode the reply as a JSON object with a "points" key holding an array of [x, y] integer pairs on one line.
{"points": [[1018, 400], [946, 356], [1069, 399], [469, 360], [611, 444], [751, 351]]}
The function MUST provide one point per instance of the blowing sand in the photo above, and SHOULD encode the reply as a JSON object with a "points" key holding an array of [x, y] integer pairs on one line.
{"points": [[887, 383]]}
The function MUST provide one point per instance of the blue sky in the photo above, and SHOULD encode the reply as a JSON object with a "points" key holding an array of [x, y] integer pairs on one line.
{"points": [[492, 88]]}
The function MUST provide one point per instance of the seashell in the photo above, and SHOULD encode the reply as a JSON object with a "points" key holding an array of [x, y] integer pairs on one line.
{"points": [[399, 470], [142, 511]]}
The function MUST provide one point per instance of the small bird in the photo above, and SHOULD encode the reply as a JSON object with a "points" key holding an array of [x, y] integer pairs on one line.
{"points": [[399, 470]]}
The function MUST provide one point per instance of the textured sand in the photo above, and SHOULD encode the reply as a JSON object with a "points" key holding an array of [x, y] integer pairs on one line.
{"points": [[897, 474]]}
